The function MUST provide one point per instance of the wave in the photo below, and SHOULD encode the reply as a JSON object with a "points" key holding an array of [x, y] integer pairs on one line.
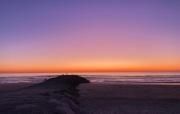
{"points": [[95, 78]]}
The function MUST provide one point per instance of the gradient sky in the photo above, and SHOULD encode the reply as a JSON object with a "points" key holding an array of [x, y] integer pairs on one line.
{"points": [[89, 35]]}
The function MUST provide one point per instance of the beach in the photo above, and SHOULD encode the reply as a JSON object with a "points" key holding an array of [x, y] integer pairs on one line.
{"points": [[9, 87], [57, 95], [129, 99], [89, 56], [69, 96]]}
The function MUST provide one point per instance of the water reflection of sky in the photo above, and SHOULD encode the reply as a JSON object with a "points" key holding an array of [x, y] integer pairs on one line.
{"points": [[150, 78]]}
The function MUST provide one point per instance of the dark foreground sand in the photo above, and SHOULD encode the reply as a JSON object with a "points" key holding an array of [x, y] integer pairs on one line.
{"points": [[60, 96], [54, 96], [129, 99]]}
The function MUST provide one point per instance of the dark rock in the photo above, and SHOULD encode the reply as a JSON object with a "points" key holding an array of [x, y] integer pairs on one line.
{"points": [[61, 80], [54, 96]]}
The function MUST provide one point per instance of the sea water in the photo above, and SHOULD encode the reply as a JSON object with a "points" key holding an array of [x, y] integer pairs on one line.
{"points": [[114, 78]]}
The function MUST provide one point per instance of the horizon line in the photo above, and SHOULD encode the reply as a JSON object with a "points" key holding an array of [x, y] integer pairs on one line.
{"points": [[90, 72]]}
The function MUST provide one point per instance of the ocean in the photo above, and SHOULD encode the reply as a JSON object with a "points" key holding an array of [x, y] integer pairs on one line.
{"points": [[114, 78]]}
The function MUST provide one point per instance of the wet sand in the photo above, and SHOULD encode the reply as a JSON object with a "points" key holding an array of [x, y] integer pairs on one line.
{"points": [[9, 87], [60, 98], [129, 99]]}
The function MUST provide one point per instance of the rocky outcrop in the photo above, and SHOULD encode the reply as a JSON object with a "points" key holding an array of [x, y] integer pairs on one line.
{"points": [[54, 96]]}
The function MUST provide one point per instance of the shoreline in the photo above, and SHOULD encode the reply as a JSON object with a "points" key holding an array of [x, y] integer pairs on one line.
{"points": [[10, 87], [73, 96]]}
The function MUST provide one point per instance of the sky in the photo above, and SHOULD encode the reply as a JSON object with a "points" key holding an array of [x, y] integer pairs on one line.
{"points": [[89, 35]]}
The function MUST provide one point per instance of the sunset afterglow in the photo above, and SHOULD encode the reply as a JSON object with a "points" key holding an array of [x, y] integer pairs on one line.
{"points": [[89, 36]]}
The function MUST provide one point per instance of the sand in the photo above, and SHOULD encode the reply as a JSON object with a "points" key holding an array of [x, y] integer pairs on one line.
{"points": [[9, 87], [54, 96], [95, 98], [129, 99]]}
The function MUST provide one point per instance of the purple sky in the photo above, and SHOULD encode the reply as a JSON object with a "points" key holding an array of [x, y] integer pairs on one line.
{"points": [[70, 35]]}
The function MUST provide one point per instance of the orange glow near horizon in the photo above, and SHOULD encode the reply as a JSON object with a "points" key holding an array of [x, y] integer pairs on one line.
{"points": [[90, 67], [90, 36]]}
